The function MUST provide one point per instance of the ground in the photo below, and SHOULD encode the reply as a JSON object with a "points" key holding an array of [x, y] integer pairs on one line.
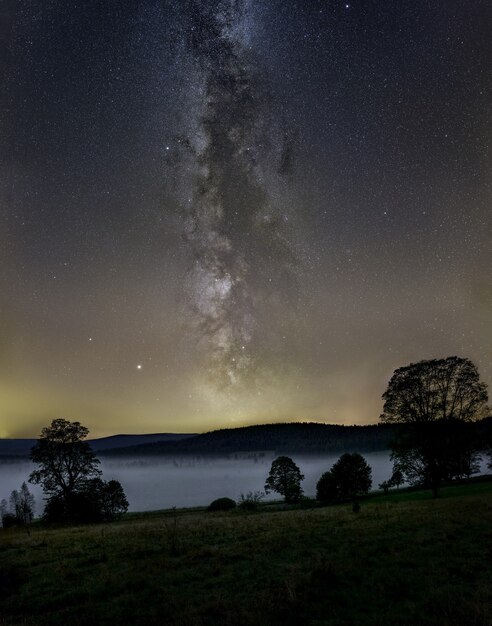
{"points": [[404, 559]]}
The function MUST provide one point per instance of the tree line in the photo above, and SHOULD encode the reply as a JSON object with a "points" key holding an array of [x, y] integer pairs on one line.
{"points": [[285, 438]]}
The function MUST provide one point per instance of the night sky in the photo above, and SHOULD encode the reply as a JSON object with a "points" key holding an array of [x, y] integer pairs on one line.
{"points": [[218, 213]]}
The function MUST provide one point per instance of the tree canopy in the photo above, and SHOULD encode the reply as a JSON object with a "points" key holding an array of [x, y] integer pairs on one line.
{"points": [[439, 389], [65, 460]]}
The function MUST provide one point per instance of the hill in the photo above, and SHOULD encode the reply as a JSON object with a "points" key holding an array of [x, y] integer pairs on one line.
{"points": [[22, 447], [297, 437], [284, 438]]}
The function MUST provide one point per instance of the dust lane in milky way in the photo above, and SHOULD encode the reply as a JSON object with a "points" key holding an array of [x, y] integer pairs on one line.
{"points": [[243, 258]]}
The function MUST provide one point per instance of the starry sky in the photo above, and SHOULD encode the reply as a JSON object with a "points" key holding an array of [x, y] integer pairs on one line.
{"points": [[219, 213]]}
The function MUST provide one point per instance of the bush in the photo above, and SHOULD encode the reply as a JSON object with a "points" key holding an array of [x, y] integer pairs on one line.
{"points": [[250, 501], [222, 504], [9, 520]]}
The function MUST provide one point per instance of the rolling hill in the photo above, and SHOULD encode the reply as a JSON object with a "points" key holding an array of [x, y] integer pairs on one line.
{"points": [[299, 437], [22, 447]]}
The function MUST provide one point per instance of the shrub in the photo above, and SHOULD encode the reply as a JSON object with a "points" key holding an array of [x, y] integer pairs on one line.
{"points": [[222, 504], [251, 500], [9, 520]]}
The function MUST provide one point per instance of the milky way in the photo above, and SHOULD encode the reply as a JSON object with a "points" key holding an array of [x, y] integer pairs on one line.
{"points": [[243, 259]]}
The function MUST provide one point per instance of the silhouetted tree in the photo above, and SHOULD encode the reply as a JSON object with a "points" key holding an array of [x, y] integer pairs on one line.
{"points": [[4, 510], [385, 486], [396, 479], [285, 478], [326, 488], [22, 505], [436, 400], [21, 509], [487, 440], [65, 460], [349, 477], [113, 500], [95, 501]]}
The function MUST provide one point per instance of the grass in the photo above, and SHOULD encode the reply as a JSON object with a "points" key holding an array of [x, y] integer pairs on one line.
{"points": [[405, 559]]}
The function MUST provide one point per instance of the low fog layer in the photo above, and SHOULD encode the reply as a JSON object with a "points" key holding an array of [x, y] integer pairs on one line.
{"points": [[159, 483]]}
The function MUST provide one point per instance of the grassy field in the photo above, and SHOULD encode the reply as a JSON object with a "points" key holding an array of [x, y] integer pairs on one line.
{"points": [[403, 560]]}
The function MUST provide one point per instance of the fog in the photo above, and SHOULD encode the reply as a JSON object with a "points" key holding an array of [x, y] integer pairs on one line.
{"points": [[158, 483]]}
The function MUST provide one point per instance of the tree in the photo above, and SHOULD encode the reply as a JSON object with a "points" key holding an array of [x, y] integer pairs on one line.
{"points": [[385, 486], [436, 400], [396, 479], [349, 477], [22, 505], [285, 478], [20, 510], [65, 460], [69, 475], [113, 500], [486, 439], [95, 501], [326, 488], [4, 511]]}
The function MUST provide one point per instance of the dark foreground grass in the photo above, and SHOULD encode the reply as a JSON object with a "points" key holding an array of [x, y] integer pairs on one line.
{"points": [[401, 561]]}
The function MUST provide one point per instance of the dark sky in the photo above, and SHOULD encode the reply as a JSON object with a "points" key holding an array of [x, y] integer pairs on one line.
{"points": [[230, 212]]}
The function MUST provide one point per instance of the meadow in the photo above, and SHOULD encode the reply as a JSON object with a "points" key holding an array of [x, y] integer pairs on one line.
{"points": [[404, 559]]}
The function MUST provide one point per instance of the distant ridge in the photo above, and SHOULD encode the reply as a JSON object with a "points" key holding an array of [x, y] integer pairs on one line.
{"points": [[293, 437], [22, 447], [284, 438]]}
